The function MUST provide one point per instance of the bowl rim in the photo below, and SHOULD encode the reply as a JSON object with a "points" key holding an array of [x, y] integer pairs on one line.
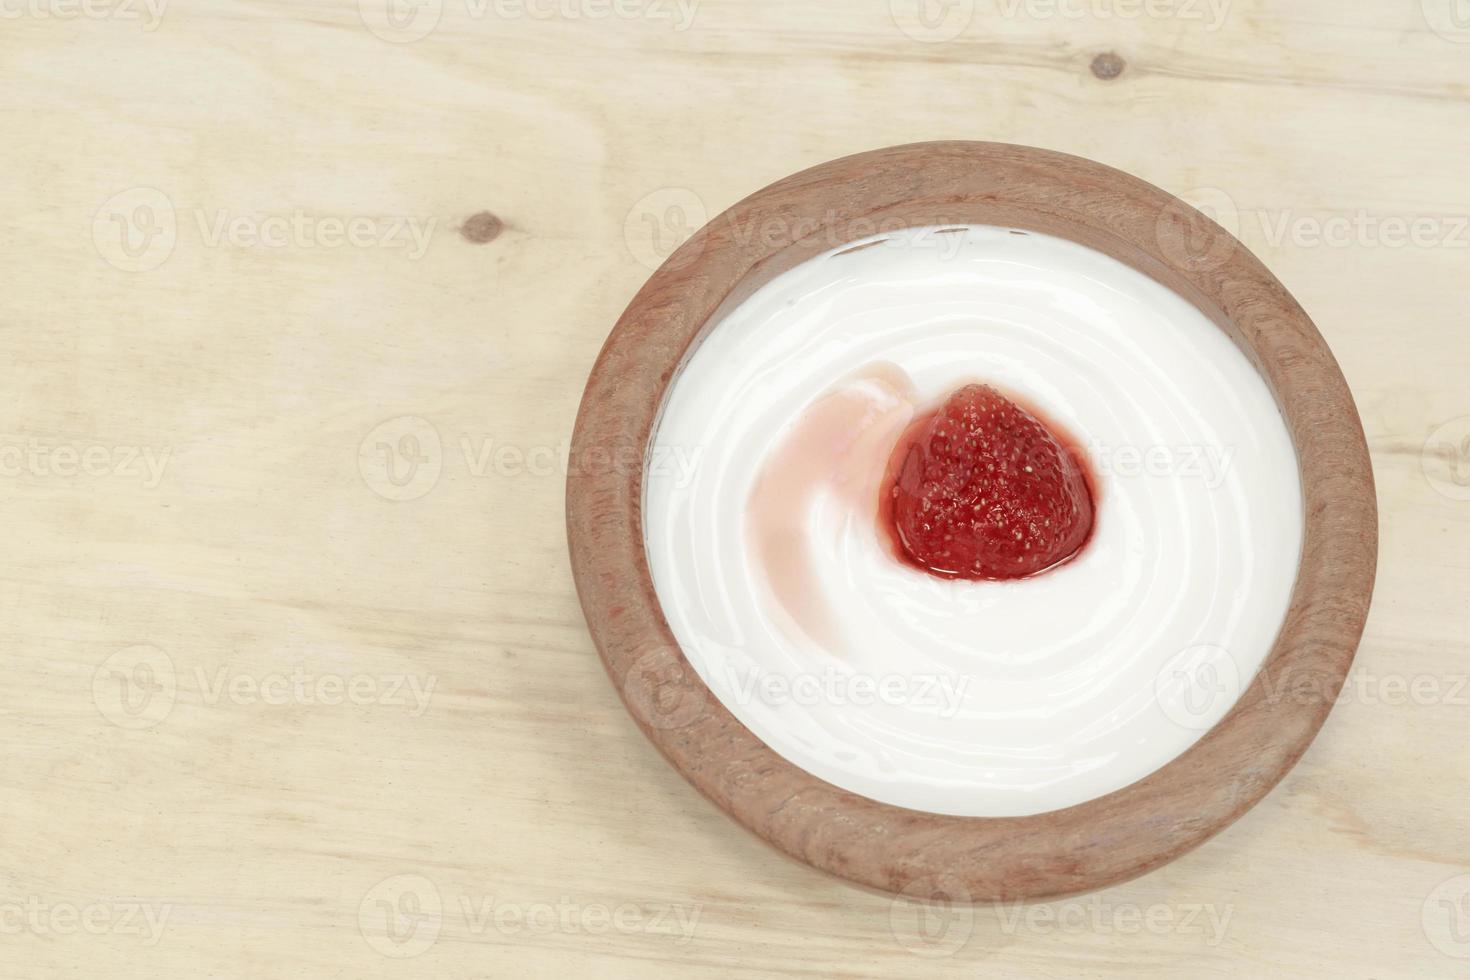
{"points": [[921, 854]]}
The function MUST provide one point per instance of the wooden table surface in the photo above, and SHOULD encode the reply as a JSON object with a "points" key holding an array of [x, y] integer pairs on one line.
{"points": [[297, 684]]}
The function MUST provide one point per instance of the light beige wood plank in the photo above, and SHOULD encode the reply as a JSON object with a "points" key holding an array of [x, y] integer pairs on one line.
{"points": [[262, 832]]}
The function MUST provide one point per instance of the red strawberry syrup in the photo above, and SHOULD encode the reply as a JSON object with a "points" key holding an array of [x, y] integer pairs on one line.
{"points": [[991, 514]]}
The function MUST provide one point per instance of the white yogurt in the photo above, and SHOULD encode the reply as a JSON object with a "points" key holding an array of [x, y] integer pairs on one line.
{"points": [[980, 698]]}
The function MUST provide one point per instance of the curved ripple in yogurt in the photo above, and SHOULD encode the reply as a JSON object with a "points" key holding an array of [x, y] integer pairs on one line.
{"points": [[975, 698]]}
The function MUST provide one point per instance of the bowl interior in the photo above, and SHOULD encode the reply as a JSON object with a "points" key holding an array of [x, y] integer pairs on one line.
{"points": [[940, 694]]}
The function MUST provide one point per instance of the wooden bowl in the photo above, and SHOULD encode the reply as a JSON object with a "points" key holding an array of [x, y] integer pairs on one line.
{"points": [[1086, 846]]}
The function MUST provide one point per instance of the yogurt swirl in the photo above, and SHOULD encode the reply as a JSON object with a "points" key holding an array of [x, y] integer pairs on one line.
{"points": [[959, 697]]}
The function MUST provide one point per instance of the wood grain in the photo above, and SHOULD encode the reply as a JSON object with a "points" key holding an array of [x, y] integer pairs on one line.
{"points": [[266, 828]]}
